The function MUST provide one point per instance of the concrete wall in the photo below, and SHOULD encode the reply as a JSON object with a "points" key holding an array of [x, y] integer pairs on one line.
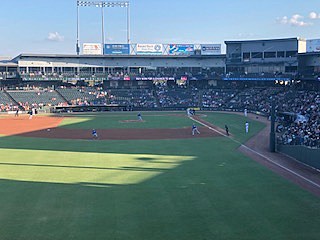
{"points": [[303, 154]]}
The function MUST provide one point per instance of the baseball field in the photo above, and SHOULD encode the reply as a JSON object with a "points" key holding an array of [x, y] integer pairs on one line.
{"points": [[149, 179]]}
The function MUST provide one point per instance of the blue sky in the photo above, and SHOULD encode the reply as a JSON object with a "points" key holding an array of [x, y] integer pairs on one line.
{"points": [[49, 26]]}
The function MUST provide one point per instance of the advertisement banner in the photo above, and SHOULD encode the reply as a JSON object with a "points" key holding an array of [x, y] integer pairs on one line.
{"points": [[181, 49], [92, 49], [149, 49], [116, 49], [210, 49], [154, 78], [313, 45]]}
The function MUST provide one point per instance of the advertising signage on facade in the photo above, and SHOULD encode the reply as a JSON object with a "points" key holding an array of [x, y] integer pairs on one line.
{"points": [[181, 49], [116, 49], [154, 78], [255, 79], [313, 45], [149, 49], [92, 49], [210, 49]]}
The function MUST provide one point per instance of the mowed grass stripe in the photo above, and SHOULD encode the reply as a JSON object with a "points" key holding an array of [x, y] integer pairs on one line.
{"points": [[110, 120]]}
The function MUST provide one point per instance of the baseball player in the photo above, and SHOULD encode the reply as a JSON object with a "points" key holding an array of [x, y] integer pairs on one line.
{"points": [[189, 112], [247, 127], [30, 114], [139, 116], [94, 134], [227, 129], [194, 129]]}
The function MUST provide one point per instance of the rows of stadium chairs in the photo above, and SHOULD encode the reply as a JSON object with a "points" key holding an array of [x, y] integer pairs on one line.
{"points": [[6, 103], [75, 96], [134, 97], [38, 98]]}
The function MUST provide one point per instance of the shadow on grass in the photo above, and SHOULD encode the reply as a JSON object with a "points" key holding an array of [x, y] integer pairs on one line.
{"points": [[196, 200]]}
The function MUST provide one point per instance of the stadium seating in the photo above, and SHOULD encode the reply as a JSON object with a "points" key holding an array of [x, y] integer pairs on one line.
{"points": [[133, 97], [6, 104], [36, 97], [78, 96]]}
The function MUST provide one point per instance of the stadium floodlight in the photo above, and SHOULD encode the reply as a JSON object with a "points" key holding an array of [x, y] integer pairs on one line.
{"points": [[102, 5]]}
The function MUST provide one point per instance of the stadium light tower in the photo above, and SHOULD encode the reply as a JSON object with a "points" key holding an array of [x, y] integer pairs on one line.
{"points": [[102, 5]]}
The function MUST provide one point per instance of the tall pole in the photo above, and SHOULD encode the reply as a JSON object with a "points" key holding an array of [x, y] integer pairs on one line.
{"points": [[102, 5], [102, 24], [128, 23], [77, 44]]}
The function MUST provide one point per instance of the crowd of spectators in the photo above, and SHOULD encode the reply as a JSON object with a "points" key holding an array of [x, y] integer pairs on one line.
{"points": [[177, 96], [8, 107], [304, 126], [217, 99], [135, 98]]}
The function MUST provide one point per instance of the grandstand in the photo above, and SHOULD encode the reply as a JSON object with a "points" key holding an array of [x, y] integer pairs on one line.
{"points": [[248, 76], [36, 98], [78, 96], [6, 103]]}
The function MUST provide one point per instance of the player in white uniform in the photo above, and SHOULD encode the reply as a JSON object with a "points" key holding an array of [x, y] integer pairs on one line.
{"points": [[189, 112], [247, 127], [194, 129]]}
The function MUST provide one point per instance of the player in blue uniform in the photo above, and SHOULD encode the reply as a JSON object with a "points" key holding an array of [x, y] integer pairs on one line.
{"points": [[30, 114], [139, 116], [194, 129], [94, 134]]}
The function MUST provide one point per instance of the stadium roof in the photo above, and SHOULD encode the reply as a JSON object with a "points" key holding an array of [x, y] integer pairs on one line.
{"points": [[27, 55], [317, 54], [8, 64]]}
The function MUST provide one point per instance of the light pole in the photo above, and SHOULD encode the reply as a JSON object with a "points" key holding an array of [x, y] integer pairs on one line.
{"points": [[77, 44], [102, 5]]}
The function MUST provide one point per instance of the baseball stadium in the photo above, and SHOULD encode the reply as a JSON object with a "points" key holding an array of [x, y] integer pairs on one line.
{"points": [[162, 141]]}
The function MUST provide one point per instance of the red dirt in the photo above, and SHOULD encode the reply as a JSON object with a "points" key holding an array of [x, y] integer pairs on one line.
{"points": [[19, 125]]}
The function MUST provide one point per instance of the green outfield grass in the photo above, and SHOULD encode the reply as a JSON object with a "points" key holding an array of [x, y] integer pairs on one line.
{"points": [[200, 188], [119, 120]]}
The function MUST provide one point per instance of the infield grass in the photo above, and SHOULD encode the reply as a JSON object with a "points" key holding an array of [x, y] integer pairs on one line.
{"points": [[200, 188]]}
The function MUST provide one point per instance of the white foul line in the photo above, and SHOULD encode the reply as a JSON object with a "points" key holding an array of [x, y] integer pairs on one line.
{"points": [[260, 154]]}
